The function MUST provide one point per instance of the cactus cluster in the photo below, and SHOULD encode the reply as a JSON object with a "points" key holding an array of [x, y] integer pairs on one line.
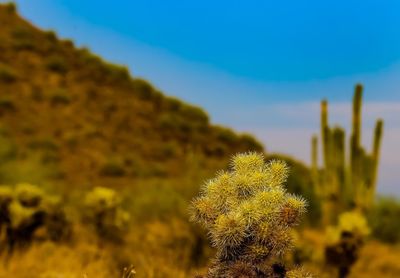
{"points": [[24, 210], [345, 240], [342, 184], [249, 216], [103, 210]]}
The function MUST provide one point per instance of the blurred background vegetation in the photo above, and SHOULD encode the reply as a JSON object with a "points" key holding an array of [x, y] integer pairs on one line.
{"points": [[98, 168]]}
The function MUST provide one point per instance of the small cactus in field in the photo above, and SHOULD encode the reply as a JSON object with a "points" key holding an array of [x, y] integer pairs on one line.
{"points": [[103, 210], [23, 211], [249, 216], [28, 195], [345, 240]]}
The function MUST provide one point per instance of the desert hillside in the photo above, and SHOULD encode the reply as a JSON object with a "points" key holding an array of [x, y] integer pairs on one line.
{"points": [[67, 115]]}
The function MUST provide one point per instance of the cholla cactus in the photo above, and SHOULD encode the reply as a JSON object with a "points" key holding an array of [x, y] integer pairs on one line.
{"points": [[345, 240], [103, 210], [28, 195], [249, 216], [26, 209]]}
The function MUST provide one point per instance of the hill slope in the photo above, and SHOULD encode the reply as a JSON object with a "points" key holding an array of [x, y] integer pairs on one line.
{"points": [[67, 115]]}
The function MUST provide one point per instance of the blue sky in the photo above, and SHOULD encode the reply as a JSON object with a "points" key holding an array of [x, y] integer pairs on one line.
{"points": [[257, 66]]}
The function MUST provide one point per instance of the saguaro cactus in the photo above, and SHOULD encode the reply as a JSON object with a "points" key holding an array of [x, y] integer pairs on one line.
{"points": [[249, 217], [339, 184]]}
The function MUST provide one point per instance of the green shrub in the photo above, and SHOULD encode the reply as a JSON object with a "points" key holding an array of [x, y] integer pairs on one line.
{"points": [[68, 43], [226, 135], [7, 104], [103, 211], [22, 38], [60, 97], [11, 7], [7, 74], [117, 72], [43, 144], [384, 219], [250, 143], [57, 64], [168, 122], [113, 168], [169, 149], [217, 150], [144, 89], [173, 104], [25, 210], [249, 217], [51, 36], [37, 93], [169, 203], [8, 149], [194, 114]]}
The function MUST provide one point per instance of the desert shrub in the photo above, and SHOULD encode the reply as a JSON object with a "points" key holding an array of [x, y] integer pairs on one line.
{"points": [[117, 72], [168, 122], [37, 93], [68, 43], [175, 126], [24, 210], [60, 97], [216, 149], [384, 220], [226, 135], [51, 35], [155, 169], [8, 149], [250, 143], [113, 168], [6, 104], [22, 38], [173, 103], [104, 212], [169, 149], [345, 240], [249, 217], [57, 223], [11, 7], [194, 114], [144, 89], [57, 64], [28, 168], [169, 203], [7, 74], [48, 144], [88, 57]]}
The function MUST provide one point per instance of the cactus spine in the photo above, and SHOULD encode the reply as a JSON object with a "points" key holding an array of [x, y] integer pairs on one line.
{"points": [[341, 185]]}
